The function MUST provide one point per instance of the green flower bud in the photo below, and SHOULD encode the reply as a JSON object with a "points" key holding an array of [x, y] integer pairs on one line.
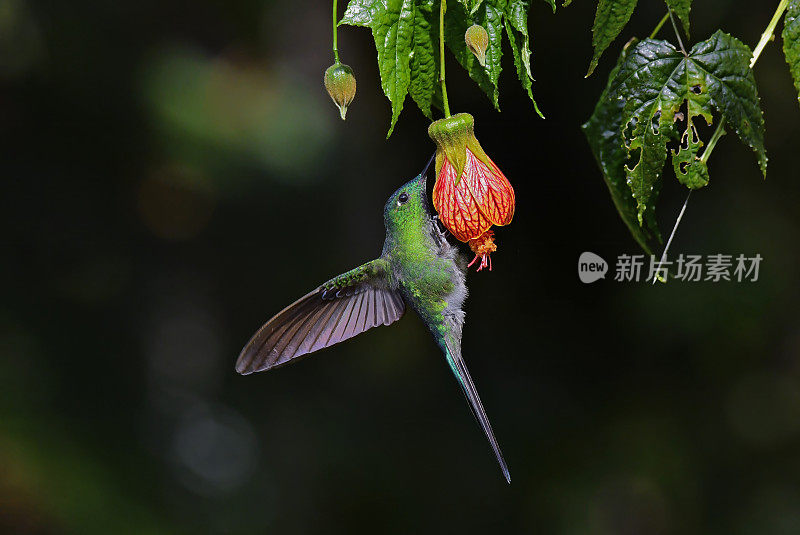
{"points": [[341, 86], [477, 40]]}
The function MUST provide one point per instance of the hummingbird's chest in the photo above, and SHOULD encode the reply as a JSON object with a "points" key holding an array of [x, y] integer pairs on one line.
{"points": [[429, 279]]}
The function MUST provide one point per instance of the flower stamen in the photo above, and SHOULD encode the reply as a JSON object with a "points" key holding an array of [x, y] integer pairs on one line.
{"points": [[483, 246]]}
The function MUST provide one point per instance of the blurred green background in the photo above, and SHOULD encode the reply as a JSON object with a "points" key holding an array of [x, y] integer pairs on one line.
{"points": [[174, 174]]}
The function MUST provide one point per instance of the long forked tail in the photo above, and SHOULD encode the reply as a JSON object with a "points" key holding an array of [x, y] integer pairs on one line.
{"points": [[459, 368]]}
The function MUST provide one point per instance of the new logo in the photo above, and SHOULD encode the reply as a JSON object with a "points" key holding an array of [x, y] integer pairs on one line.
{"points": [[591, 267]]}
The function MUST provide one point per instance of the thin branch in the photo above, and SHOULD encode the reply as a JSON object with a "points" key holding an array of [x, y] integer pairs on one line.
{"points": [[677, 33], [659, 25], [718, 133], [671, 235], [767, 35], [442, 9], [335, 34]]}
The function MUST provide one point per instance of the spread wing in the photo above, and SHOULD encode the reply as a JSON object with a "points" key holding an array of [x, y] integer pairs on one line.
{"points": [[341, 308]]}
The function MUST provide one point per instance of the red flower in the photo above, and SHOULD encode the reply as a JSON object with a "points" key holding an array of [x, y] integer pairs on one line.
{"points": [[470, 194]]}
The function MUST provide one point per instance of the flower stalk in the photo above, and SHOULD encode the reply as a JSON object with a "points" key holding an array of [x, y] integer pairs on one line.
{"points": [[446, 105], [335, 33]]}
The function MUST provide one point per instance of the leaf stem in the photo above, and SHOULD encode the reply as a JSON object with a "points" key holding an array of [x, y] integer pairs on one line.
{"points": [[659, 25], [442, 9], [669, 241], [677, 33], [767, 35], [718, 133], [335, 33]]}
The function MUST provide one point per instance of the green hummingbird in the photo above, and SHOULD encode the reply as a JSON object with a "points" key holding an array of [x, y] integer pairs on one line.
{"points": [[418, 268]]}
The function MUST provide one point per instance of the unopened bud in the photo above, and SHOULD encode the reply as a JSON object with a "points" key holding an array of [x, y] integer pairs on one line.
{"points": [[341, 86], [477, 40]]}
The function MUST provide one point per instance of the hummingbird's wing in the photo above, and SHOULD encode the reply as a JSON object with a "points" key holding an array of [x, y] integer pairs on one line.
{"points": [[341, 308], [459, 367]]}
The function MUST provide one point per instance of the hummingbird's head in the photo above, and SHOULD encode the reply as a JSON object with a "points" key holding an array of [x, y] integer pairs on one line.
{"points": [[408, 204]]}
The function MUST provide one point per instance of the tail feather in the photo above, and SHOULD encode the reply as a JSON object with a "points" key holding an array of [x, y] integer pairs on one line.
{"points": [[459, 367]]}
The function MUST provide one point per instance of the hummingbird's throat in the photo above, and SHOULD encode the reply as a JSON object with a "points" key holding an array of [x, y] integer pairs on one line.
{"points": [[483, 246]]}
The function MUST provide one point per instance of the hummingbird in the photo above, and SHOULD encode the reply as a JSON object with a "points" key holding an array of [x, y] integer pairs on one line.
{"points": [[417, 268]]}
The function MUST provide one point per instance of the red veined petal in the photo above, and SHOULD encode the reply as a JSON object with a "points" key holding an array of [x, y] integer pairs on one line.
{"points": [[457, 207], [490, 188]]}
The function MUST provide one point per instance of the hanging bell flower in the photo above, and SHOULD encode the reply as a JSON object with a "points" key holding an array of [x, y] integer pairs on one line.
{"points": [[341, 86], [477, 41], [471, 194]]}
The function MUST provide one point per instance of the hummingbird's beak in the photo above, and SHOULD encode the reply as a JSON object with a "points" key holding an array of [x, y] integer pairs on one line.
{"points": [[424, 174]]}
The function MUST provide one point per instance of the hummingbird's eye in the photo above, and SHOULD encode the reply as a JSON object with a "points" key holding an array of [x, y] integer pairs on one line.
{"points": [[402, 198]]}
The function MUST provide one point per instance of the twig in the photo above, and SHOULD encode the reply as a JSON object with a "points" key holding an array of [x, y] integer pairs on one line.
{"points": [[677, 33], [659, 25], [335, 34], [442, 9], [767, 35], [671, 235]]}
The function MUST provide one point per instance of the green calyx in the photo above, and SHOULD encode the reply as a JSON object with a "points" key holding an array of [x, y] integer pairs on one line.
{"points": [[453, 136], [341, 86]]}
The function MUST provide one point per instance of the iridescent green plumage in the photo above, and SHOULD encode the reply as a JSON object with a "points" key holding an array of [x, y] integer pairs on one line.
{"points": [[418, 267]]}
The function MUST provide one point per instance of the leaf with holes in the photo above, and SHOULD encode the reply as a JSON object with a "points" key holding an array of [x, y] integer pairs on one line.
{"points": [[690, 169], [655, 80], [603, 131], [610, 18], [791, 41]]}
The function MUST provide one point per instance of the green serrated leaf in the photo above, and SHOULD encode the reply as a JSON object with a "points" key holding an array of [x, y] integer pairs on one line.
{"points": [[791, 41], [358, 13], [552, 4], [690, 169], [656, 79], [517, 16], [406, 37], [642, 82], [681, 8], [489, 15], [610, 18], [393, 30], [724, 62], [425, 54], [471, 6], [603, 130], [516, 22]]}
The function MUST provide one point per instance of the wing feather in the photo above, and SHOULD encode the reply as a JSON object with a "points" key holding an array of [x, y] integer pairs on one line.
{"points": [[339, 309]]}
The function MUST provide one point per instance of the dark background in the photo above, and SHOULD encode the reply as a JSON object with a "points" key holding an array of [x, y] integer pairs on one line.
{"points": [[174, 174]]}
